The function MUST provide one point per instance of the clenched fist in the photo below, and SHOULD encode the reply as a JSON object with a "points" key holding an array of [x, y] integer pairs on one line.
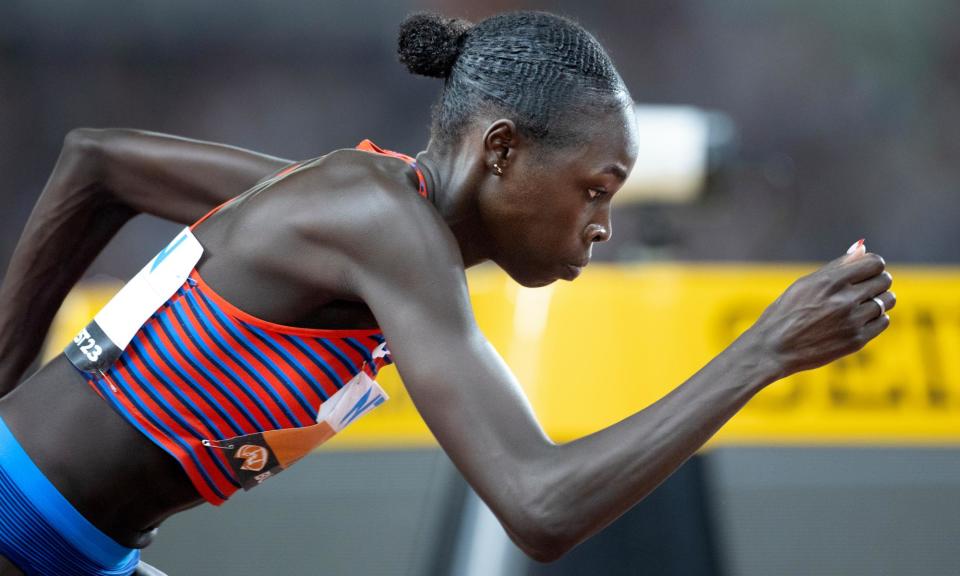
{"points": [[828, 314]]}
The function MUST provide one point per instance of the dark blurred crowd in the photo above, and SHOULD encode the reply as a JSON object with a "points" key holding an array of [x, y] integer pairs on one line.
{"points": [[848, 112]]}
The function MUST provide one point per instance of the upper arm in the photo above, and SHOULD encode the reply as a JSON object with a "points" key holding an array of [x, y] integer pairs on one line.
{"points": [[413, 280], [171, 177]]}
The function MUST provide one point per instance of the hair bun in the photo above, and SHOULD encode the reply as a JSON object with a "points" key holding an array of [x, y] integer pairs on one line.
{"points": [[429, 43]]}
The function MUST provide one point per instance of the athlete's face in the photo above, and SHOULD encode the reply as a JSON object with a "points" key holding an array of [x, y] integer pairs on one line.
{"points": [[548, 208]]}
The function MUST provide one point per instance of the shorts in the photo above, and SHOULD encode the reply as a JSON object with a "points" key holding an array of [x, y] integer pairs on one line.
{"points": [[41, 532]]}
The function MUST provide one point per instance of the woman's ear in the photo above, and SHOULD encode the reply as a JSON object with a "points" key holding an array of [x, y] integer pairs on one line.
{"points": [[499, 141]]}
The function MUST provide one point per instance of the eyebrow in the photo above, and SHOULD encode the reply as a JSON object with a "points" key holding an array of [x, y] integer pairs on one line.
{"points": [[616, 170]]}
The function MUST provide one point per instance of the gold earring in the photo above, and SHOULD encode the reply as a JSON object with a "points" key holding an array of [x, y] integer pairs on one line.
{"points": [[498, 169]]}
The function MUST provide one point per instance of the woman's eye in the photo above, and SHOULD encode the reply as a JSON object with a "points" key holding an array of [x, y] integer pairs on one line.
{"points": [[595, 193]]}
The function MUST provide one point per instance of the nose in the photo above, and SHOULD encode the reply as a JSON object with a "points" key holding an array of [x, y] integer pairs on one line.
{"points": [[599, 229], [597, 232]]}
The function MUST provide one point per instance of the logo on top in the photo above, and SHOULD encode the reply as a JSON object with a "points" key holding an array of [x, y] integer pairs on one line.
{"points": [[254, 457]]}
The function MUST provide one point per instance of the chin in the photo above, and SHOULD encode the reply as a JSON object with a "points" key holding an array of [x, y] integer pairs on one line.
{"points": [[538, 283], [531, 281], [530, 276]]}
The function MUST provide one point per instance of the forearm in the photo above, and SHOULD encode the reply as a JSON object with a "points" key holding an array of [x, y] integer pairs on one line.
{"points": [[548, 497], [821, 317], [71, 222], [551, 497], [583, 486]]}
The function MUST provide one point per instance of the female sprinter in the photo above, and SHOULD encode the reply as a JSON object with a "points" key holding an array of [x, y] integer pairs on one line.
{"points": [[533, 135]]}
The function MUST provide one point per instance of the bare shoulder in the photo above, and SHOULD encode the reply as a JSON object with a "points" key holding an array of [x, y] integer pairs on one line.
{"points": [[337, 226], [401, 257], [368, 206]]}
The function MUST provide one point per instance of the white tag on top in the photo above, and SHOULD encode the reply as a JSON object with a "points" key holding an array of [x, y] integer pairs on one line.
{"points": [[357, 397], [98, 345], [129, 310]]}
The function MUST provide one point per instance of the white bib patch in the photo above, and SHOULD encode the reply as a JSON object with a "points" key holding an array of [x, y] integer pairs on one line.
{"points": [[357, 397], [99, 345]]}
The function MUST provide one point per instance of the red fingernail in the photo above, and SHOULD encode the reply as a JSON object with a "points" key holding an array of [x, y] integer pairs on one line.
{"points": [[856, 245]]}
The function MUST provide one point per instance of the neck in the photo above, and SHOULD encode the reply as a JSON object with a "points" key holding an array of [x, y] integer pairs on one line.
{"points": [[452, 182]]}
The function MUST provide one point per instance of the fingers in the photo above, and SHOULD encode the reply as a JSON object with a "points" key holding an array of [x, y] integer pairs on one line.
{"points": [[873, 286], [860, 269], [857, 250], [873, 328], [869, 310]]}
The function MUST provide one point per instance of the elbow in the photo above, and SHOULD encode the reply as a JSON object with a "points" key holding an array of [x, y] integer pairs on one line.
{"points": [[545, 552], [539, 541], [84, 141], [83, 153], [542, 527]]}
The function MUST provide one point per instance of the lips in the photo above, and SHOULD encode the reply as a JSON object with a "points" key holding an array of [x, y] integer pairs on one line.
{"points": [[571, 271]]}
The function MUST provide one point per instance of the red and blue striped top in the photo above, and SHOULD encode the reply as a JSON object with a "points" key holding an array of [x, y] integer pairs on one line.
{"points": [[201, 370]]}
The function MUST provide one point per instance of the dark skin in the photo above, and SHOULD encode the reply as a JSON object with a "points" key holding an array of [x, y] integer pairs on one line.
{"points": [[349, 244]]}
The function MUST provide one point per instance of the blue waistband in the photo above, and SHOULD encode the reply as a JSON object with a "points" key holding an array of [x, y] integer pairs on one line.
{"points": [[55, 509]]}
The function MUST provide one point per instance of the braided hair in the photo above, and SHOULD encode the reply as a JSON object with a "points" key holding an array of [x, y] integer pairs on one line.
{"points": [[535, 68]]}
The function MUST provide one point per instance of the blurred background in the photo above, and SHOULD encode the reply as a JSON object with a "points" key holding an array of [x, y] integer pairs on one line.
{"points": [[797, 128]]}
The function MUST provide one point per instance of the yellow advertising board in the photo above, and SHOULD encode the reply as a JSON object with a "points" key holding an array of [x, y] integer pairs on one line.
{"points": [[594, 351]]}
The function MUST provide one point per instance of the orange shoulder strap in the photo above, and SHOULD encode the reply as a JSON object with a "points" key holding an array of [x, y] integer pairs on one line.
{"points": [[368, 146]]}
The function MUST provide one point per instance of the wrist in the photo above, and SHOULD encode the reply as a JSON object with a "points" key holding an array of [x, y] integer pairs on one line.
{"points": [[758, 360]]}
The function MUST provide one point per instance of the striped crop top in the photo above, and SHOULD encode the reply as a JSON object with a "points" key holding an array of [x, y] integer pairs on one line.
{"points": [[233, 398]]}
